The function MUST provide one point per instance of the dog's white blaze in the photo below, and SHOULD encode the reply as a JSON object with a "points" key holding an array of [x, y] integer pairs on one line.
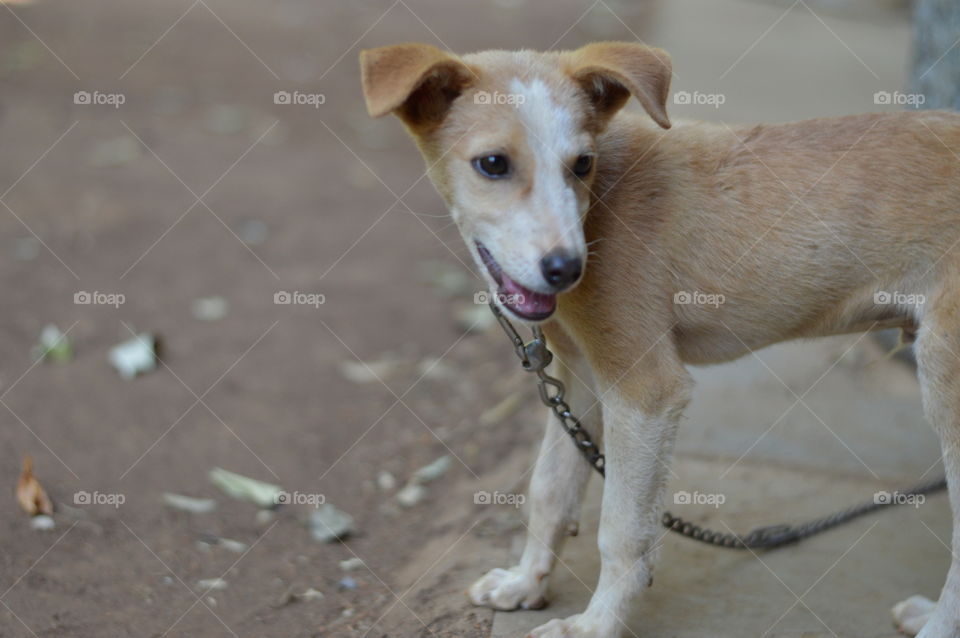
{"points": [[552, 138]]}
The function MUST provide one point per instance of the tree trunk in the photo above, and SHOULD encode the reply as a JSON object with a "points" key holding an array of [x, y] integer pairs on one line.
{"points": [[936, 53]]}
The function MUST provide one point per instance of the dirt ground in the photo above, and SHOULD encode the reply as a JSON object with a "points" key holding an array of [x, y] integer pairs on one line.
{"points": [[200, 185], [107, 199]]}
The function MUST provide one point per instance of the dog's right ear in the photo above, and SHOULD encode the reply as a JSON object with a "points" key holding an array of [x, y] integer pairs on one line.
{"points": [[418, 82]]}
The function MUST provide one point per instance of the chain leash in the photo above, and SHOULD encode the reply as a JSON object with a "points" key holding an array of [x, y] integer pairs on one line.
{"points": [[535, 356]]}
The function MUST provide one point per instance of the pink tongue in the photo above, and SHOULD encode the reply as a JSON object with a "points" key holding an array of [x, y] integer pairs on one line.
{"points": [[526, 302]]}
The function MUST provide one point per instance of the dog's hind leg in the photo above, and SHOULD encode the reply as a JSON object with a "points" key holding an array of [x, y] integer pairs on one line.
{"points": [[938, 363], [556, 489], [912, 614]]}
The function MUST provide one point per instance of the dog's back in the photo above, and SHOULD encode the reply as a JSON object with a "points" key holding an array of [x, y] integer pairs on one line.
{"points": [[813, 221]]}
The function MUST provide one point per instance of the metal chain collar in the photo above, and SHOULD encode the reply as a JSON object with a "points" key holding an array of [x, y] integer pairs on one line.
{"points": [[535, 357]]}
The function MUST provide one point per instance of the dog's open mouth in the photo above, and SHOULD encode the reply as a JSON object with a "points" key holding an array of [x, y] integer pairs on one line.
{"points": [[523, 302]]}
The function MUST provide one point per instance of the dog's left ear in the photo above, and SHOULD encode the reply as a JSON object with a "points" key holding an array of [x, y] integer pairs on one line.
{"points": [[418, 82], [610, 72]]}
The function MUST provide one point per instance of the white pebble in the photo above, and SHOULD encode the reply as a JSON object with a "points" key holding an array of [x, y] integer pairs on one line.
{"points": [[42, 522], [411, 494], [210, 584], [311, 594], [351, 564], [386, 481]]}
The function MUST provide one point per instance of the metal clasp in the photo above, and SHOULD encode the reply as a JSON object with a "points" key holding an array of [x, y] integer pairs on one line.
{"points": [[536, 356]]}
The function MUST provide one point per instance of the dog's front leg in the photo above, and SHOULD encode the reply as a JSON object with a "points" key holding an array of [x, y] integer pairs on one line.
{"points": [[639, 431], [556, 489]]}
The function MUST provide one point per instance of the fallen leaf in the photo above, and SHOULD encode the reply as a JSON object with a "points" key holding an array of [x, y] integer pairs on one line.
{"points": [[30, 494], [311, 594], [53, 345], [351, 564], [369, 371], [432, 471], [42, 522], [189, 504], [209, 584], [414, 491], [265, 495], [327, 523], [435, 368], [134, 356], [234, 546]]}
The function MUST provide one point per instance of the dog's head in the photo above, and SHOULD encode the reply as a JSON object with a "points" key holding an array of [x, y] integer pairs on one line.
{"points": [[510, 143]]}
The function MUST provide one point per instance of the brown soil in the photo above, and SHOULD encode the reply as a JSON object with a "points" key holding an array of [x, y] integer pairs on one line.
{"points": [[105, 211]]}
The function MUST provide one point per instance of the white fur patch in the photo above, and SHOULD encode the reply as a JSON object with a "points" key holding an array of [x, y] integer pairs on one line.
{"points": [[553, 138], [551, 124]]}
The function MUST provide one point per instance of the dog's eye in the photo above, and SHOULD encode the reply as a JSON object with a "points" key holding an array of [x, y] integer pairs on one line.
{"points": [[492, 166], [581, 168]]}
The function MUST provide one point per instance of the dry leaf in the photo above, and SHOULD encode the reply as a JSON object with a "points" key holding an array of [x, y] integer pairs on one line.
{"points": [[30, 494], [265, 495]]}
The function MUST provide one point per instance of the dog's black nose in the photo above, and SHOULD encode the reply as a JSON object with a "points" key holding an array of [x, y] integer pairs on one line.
{"points": [[561, 269]]}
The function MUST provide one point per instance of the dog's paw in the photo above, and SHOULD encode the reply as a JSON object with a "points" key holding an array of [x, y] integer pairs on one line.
{"points": [[572, 627], [912, 614], [508, 589]]}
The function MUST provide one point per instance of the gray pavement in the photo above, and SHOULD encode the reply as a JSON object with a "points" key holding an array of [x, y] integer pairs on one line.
{"points": [[858, 429]]}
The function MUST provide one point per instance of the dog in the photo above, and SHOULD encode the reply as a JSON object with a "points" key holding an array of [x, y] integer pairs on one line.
{"points": [[606, 226]]}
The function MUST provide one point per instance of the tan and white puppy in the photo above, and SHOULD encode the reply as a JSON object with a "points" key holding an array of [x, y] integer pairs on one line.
{"points": [[705, 242]]}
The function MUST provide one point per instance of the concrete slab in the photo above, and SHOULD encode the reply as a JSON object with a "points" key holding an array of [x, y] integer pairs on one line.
{"points": [[835, 405], [780, 61], [839, 584], [858, 430]]}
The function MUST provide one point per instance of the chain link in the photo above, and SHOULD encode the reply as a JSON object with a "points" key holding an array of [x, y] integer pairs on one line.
{"points": [[535, 357]]}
